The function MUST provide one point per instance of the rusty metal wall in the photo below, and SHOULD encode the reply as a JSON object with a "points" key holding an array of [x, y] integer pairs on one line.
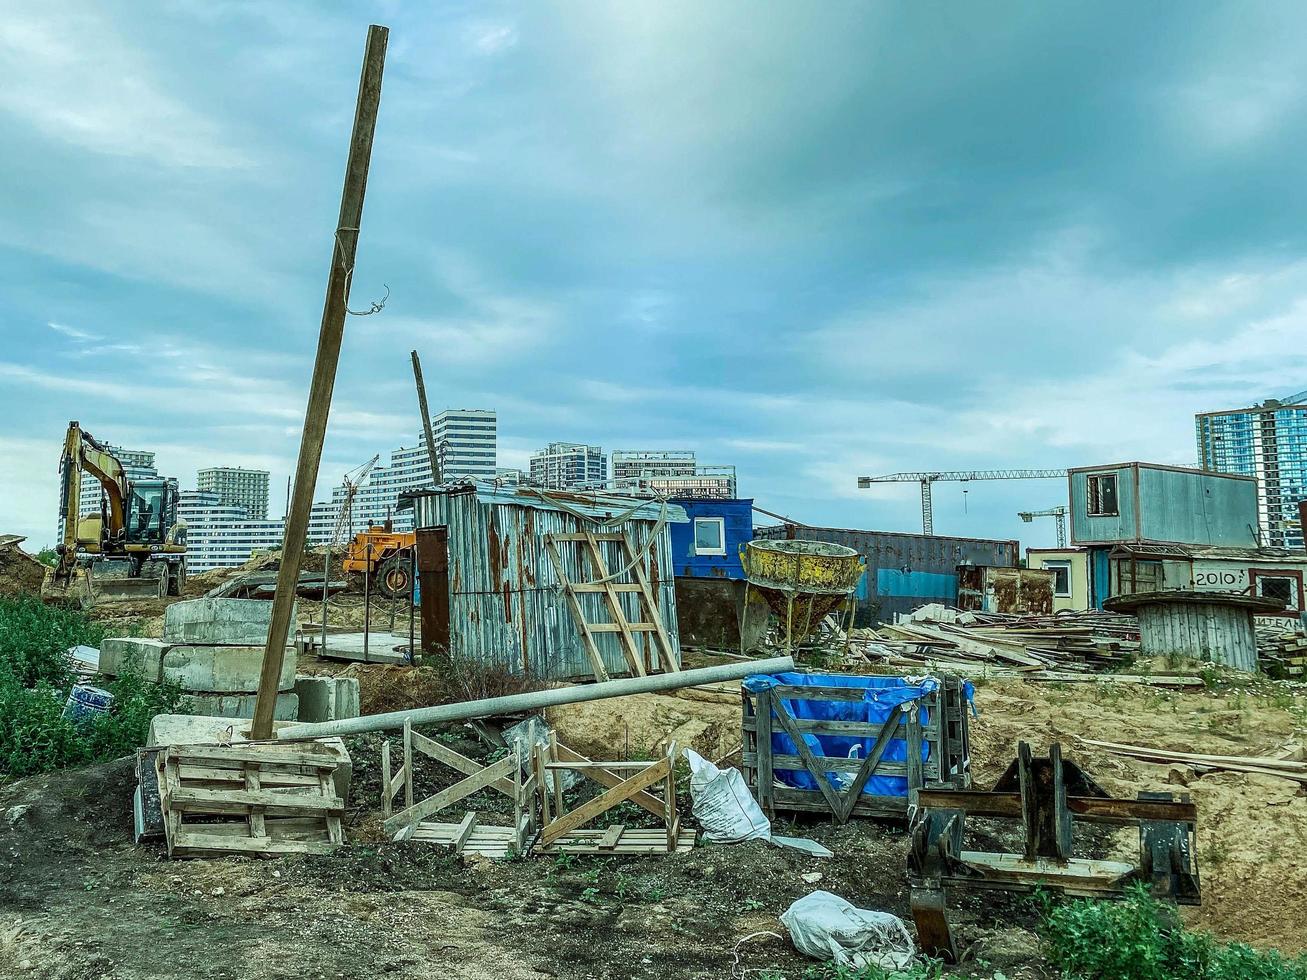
{"points": [[505, 604]]}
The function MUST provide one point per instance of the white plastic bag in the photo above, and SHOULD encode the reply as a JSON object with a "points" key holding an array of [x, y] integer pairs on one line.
{"points": [[826, 927], [723, 805]]}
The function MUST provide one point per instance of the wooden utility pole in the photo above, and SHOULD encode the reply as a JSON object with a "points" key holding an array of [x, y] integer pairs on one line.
{"points": [[332, 332], [426, 420]]}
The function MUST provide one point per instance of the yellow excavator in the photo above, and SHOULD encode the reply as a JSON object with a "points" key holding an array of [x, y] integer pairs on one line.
{"points": [[133, 548]]}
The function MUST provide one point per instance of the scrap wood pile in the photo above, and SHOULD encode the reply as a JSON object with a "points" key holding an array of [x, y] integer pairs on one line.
{"points": [[1065, 646], [1282, 650], [1287, 766]]}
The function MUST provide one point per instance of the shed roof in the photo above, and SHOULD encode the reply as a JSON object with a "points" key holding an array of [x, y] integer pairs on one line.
{"points": [[587, 503]]}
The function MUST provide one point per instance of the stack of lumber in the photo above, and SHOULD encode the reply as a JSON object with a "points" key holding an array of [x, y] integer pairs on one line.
{"points": [[1294, 769], [1063, 647], [1281, 648]]}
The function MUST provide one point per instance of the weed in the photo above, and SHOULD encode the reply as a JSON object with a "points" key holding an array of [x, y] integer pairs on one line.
{"points": [[926, 970], [590, 894], [564, 861], [655, 893], [1143, 939]]}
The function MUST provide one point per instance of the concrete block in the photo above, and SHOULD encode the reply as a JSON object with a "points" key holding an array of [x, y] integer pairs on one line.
{"points": [[215, 669], [218, 621], [327, 698], [133, 655], [211, 730], [240, 705]]}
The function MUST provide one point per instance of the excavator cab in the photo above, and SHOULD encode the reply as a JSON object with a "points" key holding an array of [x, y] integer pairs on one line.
{"points": [[151, 511]]}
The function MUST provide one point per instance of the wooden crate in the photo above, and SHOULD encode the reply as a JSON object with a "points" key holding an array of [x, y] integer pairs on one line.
{"points": [[276, 798], [945, 732]]}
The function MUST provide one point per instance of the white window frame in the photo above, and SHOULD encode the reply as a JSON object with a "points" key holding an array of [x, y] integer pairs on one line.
{"points": [[1055, 563], [721, 535]]}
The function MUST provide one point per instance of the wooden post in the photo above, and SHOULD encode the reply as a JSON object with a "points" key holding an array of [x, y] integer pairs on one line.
{"points": [[344, 249], [426, 420]]}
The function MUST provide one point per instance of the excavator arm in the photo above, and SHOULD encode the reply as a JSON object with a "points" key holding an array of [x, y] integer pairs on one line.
{"points": [[82, 453]]}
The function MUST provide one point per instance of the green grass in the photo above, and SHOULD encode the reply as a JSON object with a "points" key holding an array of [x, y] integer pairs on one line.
{"points": [[35, 677], [1141, 938]]}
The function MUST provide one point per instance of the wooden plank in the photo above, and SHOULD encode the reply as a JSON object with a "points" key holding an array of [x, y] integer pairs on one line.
{"points": [[408, 763], [1080, 872], [433, 804], [853, 729], [794, 763], [607, 778], [194, 843], [809, 760], [236, 756], [455, 760], [464, 831], [766, 774], [663, 643], [335, 832], [258, 828], [611, 836], [629, 649], [603, 586], [192, 775], [195, 800], [605, 801], [586, 841], [1215, 761], [387, 793], [574, 604], [869, 764]]}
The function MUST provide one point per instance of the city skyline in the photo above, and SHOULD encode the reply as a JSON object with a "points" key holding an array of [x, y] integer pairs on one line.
{"points": [[1032, 241]]}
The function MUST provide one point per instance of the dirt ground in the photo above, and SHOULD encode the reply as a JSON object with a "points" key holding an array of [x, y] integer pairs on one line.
{"points": [[80, 901]]}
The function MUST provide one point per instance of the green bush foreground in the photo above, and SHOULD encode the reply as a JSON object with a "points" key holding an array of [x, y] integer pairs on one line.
{"points": [[1141, 938], [35, 678]]}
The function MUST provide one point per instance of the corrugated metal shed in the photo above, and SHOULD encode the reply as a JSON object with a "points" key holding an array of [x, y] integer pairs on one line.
{"points": [[905, 571], [506, 606]]}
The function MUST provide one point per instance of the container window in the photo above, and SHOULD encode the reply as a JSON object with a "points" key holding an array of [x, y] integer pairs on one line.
{"points": [[710, 536], [1102, 495], [1061, 578], [1278, 588]]}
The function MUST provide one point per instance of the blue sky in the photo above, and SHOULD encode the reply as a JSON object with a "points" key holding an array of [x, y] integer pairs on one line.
{"points": [[812, 240]]}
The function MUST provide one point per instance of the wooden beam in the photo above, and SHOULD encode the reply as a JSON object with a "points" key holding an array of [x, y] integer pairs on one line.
{"points": [[605, 801], [343, 253], [432, 456], [464, 788], [1096, 809], [602, 774]]}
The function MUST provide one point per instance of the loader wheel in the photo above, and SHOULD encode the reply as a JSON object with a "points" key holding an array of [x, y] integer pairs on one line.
{"points": [[395, 576]]}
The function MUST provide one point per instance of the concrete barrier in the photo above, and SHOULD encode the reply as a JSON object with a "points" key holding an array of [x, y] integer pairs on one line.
{"points": [[327, 698], [222, 668], [239, 706], [218, 621]]}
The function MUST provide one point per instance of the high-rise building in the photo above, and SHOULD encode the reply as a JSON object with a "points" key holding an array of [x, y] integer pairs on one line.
{"points": [[672, 473], [569, 466], [1269, 442], [237, 487], [221, 535], [466, 442]]}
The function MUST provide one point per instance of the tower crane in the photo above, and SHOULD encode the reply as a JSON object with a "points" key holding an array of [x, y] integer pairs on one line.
{"points": [[1058, 513], [954, 476]]}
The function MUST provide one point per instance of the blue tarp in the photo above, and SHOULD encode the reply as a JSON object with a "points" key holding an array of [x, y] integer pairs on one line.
{"points": [[881, 695]]}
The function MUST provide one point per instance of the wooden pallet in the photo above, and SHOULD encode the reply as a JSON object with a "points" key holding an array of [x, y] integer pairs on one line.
{"points": [[618, 840], [650, 624], [561, 829], [470, 837], [249, 798], [510, 776]]}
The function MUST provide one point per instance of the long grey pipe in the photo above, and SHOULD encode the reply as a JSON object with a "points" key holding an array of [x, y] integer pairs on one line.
{"points": [[535, 700]]}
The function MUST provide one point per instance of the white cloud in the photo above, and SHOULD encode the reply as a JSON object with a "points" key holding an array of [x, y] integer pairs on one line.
{"points": [[73, 332]]}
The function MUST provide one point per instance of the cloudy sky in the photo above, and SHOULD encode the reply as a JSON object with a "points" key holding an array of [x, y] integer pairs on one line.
{"points": [[812, 240]]}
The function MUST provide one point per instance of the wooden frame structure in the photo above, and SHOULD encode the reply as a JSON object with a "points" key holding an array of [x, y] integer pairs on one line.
{"points": [[509, 776], [1048, 795], [650, 625], [945, 733], [563, 831], [252, 798]]}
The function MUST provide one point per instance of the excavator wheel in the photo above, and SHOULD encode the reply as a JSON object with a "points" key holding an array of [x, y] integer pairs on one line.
{"points": [[395, 576]]}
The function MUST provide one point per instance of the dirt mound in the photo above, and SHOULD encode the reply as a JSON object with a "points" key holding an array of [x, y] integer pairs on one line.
{"points": [[635, 726], [20, 573]]}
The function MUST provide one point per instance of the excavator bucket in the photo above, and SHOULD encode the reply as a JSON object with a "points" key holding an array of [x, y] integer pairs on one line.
{"points": [[103, 581]]}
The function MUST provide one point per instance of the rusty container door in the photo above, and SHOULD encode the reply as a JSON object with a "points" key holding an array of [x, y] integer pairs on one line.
{"points": [[433, 576]]}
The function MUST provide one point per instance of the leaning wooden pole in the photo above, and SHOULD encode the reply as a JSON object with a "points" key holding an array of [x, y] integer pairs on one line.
{"points": [[426, 421], [334, 309]]}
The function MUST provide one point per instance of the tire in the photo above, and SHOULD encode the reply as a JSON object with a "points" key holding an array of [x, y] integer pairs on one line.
{"points": [[395, 576], [176, 577]]}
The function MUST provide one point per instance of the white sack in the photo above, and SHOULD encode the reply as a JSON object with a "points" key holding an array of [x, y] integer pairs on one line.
{"points": [[723, 805], [826, 927]]}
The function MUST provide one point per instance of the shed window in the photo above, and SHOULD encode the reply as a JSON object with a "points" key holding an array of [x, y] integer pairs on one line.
{"points": [[1278, 588], [1102, 495], [1061, 578], [710, 536]]}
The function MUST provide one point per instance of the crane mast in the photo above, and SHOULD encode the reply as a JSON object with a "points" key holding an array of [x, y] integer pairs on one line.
{"points": [[928, 479]]}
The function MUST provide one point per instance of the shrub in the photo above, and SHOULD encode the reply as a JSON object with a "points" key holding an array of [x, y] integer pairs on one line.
{"points": [[1141, 938], [35, 677]]}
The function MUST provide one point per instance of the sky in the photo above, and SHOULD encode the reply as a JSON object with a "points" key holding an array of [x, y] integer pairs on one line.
{"points": [[815, 241]]}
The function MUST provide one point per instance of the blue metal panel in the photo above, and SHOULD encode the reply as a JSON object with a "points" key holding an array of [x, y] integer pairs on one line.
{"points": [[1103, 527], [916, 560], [1099, 580], [737, 521]]}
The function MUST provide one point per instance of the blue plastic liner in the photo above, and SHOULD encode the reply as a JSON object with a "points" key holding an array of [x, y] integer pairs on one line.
{"points": [[881, 696]]}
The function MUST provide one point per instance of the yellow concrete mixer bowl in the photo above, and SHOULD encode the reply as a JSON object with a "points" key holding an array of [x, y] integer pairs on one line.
{"points": [[812, 567]]}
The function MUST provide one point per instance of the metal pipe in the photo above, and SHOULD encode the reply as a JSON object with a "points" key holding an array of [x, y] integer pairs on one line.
{"points": [[515, 703]]}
